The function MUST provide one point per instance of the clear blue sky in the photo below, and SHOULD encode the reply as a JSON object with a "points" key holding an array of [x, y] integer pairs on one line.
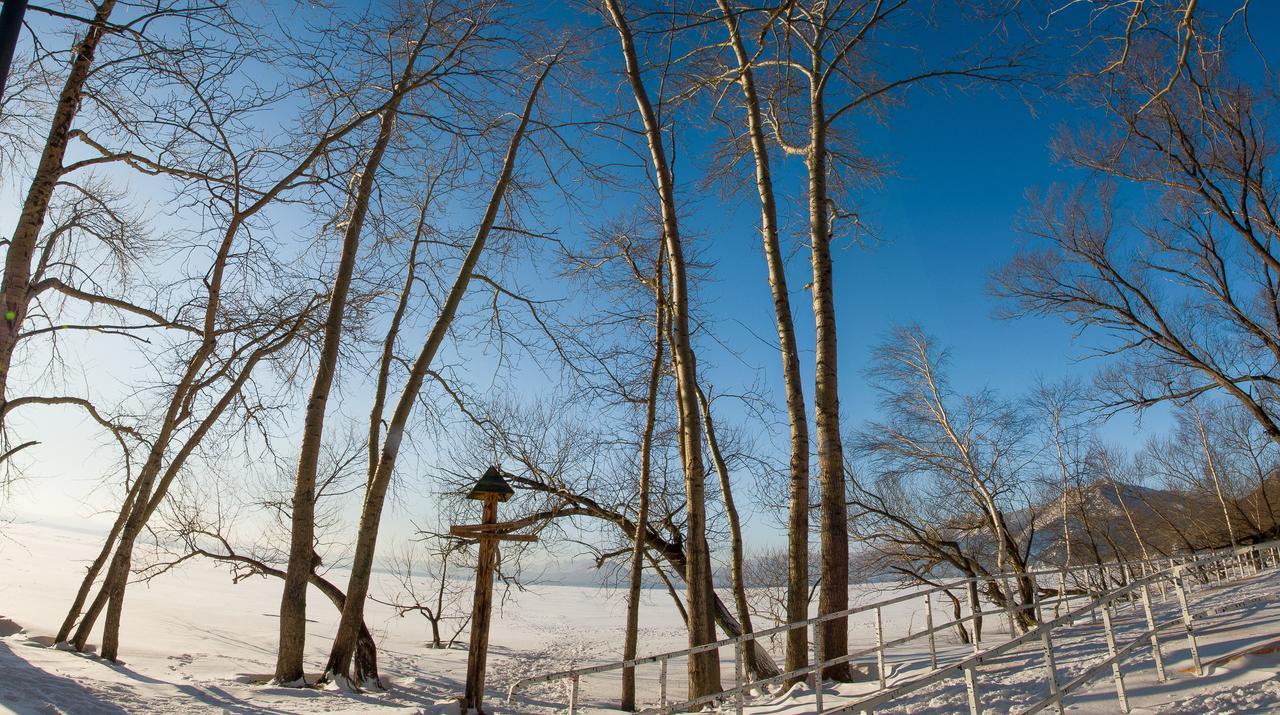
{"points": [[945, 219]]}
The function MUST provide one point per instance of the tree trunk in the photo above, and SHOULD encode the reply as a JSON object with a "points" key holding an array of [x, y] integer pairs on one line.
{"points": [[366, 647], [1212, 470], [736, 581], [631, 636], [957, 615], [338, 668], [797, 599], [833, 527], [436, 640], [972, 588], [704, 668], [15, 291], [86, 584], [293, 599]]}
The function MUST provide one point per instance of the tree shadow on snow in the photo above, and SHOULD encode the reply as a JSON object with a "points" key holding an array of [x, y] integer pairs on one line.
{"points": [[28, 689]]}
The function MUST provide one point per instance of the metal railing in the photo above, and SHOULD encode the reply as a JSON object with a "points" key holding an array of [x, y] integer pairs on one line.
{"points": [[1095, 588], [1207, 571]]}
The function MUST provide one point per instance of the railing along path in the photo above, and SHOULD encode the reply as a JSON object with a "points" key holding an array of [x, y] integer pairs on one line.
{"points": [[1097, 590]]}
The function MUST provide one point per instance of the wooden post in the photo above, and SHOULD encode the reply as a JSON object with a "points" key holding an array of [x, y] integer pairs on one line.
{"points": [[490, 490], [481, 609], [928, 623]]}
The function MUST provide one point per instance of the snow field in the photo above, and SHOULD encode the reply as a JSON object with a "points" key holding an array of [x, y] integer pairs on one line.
{"points": [[194, 642]]}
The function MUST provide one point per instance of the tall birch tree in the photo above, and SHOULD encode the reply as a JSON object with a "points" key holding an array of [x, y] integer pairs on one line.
{"points": [[704, 667]]}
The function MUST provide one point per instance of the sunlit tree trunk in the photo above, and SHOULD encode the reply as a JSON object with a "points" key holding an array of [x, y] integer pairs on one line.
{"points": [[833, 520], [15, 291], [797, 599], [737, 582], [704, 668], [293, 599]]}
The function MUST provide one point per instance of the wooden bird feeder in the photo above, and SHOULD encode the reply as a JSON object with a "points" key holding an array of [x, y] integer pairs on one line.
{"points": [[491, 489]]}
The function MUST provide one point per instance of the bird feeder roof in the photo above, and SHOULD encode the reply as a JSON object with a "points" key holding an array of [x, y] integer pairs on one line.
{"points": [[491, 485]]}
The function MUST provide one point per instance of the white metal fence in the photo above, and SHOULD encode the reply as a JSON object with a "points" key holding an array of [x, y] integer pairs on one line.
{"points": [[1092, 592]]}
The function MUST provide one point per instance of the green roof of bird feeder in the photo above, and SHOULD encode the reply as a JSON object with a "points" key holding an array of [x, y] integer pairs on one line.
{"points": [[492, 484]]}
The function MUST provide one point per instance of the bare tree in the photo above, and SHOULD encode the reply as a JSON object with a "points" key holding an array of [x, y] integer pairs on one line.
{"points": [[815, 60], [200, 521], [767, 578], [245, 310], [339, 664], [1184, 285], [568, 477], [1062, 410], [704, 667], [638, 549], [938, 445], [110, 95], [442, 599], [1201, 461], [428, 43], [797, 654], [737, 577]]}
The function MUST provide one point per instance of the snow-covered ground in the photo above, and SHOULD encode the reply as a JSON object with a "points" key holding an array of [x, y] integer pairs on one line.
{"points": [[195, 642]]}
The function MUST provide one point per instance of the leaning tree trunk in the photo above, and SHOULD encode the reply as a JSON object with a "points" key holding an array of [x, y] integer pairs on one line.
{"points": [[736, 580], [15, 290], [152, 493], [670, 552], [797, 598], [631, 638], [338, 668], [293, 599], [91, 574]]}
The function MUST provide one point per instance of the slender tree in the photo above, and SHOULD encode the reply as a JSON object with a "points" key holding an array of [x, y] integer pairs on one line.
{"points": [[293, 600], [338, 669], [638, 548], [797, 598], [704, 667]]}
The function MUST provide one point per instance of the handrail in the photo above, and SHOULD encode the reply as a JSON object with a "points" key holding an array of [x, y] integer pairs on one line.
{"points": [[1180, 563], [866, 703]]}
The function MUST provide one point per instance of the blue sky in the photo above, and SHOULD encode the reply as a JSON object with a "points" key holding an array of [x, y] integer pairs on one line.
{"points": [[963, 163]]}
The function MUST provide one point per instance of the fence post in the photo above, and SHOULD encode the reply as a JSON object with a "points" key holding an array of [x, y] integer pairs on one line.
{"points": [[928, 622], [1116, 673], [817, 665], [737, 675], [573, 693], [1155, 638], [971, 686], [880, 648], [1050, 665], [662, 680], [1187, 623]]}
